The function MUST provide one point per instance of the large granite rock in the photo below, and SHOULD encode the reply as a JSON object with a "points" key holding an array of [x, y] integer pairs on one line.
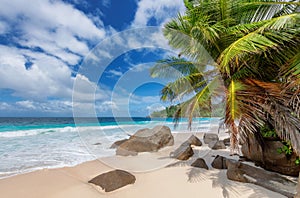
{"points": [[183, 152], [269, 158], [116, 144], [216, 145], [238, 171], [193, 140], [113, 180], [200, 163], [209, 137], [147, 140], [125, 152], [219, 162]]}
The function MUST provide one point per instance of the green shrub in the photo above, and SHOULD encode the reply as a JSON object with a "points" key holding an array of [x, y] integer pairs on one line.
{"points": [[287, 148], [297, 161], [267, 132]]}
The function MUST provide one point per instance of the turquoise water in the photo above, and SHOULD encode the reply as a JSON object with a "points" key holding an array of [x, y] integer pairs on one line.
{"points": [[28, 144]]}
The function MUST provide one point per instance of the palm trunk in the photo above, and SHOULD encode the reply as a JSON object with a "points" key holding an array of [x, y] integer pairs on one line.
{"points": [[234, 143]]}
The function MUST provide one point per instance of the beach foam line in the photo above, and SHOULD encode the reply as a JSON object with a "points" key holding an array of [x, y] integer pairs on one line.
{"points": [[32, 132]]}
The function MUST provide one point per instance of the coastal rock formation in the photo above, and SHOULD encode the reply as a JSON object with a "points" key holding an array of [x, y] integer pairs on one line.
{"points": [[183, 152], [219, 162], [209, 137], [200, 163], [269, 158], [215, 145], [241, 172], [116, 144], [113, 180], [193, 140], [147, 140]]}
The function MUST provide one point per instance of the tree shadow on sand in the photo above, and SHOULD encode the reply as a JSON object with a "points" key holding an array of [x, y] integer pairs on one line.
{"points": [[219, 179], [229, 188]]}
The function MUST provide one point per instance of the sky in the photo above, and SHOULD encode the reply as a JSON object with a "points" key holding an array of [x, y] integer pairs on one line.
{"points": [[82, 57]]}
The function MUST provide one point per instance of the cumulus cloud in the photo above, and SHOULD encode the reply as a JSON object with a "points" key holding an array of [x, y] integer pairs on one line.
{"points": [[47, 76], [52, 36], [53, 26], [156, 10], [50, 15]]}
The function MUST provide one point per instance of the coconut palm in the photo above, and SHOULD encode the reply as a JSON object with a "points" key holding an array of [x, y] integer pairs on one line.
{"points": [[247, 49]]}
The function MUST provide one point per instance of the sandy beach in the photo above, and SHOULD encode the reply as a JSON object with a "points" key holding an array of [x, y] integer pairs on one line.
{"points": [[100, 99], [156, 176]]}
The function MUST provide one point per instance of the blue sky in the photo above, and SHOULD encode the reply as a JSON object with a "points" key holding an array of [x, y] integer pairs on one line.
{"points": [[89, 55]]}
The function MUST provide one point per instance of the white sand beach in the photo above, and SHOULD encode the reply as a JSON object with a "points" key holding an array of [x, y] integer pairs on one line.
{"points": [[153, 178]]}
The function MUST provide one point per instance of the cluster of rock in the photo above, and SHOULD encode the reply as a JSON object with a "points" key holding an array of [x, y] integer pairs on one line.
{"points": [[151, 140], [185, 151], [236, 170]]}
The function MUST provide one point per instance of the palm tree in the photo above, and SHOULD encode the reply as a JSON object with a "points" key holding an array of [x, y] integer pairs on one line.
{"points": [[247, 49]]}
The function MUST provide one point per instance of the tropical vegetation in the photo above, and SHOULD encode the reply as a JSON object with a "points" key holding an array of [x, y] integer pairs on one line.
{"points": [[245, 53]]}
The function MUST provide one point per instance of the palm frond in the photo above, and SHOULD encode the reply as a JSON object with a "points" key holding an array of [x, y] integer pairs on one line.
{"points": [[259, 41], [202, 100], [253, 43], [182, 86], [267, 9], [264, 101], [173, 67]]}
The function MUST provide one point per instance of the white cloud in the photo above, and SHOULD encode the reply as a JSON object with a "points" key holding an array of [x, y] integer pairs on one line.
{"points": [[115, 72], [5, 106], [51, 15], [86, 91], [52, 106], [26, 104], [62, 32], [106, 106], [47, 76], [155, 107], [53, 26], [159, 10], [135, 99], [141, 67]]}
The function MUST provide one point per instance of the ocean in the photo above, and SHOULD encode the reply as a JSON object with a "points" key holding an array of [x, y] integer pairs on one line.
{"points": [[28, 144]]}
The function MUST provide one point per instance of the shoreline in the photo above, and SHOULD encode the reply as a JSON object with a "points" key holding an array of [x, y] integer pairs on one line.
{"points": [[21, 172], [155, 177]]}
